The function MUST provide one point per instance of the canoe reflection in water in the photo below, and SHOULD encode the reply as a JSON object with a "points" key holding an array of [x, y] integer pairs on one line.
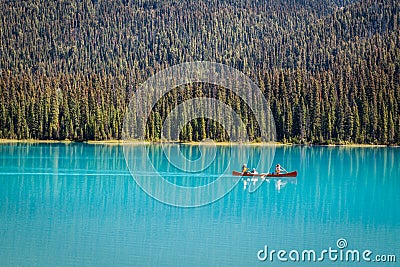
{"points": [[279, 182]]}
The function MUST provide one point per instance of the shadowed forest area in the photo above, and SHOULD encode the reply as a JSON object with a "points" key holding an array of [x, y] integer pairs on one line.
{"points": [[329, 69]]}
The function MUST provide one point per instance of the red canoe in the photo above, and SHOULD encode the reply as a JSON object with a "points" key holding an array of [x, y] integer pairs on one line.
{"points": [[288, 174]]}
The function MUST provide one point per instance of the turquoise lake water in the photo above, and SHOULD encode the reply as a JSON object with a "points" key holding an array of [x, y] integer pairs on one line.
{"points": [[77, 204]]}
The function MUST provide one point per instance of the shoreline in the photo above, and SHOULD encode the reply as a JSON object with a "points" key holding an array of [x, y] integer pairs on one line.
{"points": [[197, 143]]}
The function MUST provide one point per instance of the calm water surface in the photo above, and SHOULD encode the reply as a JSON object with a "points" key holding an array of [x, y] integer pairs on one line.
{"points": [[77, 204]]}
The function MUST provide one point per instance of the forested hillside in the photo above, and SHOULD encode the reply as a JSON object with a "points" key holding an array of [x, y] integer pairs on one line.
{"points": [[330, 69]]}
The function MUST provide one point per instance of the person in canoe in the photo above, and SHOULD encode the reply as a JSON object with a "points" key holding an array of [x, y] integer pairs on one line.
{"points": [[278, 169], [253, 171], [245, 169]]}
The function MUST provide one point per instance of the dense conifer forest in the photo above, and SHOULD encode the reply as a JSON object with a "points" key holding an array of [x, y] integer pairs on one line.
{"points": [[330, 69]]}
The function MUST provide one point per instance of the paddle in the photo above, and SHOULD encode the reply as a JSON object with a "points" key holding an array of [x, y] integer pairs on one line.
{"points": [[284, 169]]}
